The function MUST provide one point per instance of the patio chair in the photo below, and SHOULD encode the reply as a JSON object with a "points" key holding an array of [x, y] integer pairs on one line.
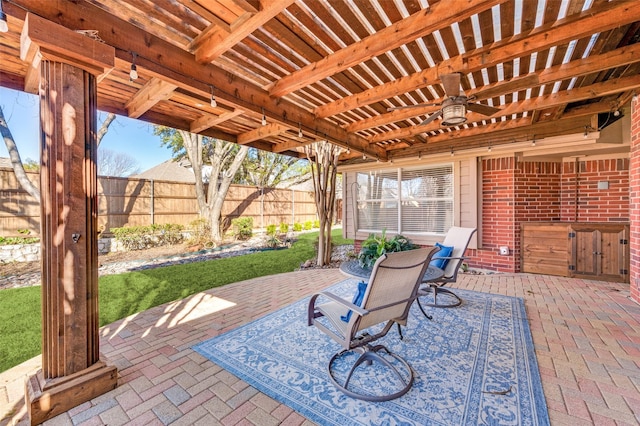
{"points": [[449, 258], [392, 288]]}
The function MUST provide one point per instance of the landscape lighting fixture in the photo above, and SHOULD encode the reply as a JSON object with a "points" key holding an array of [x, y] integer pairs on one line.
{"points": [[133, 74], [4, 27]]}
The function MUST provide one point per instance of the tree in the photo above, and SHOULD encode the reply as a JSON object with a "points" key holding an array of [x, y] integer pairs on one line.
{"points": [[112, 163], [224, 158], [16, 161], [323, 157], [270, 170]]}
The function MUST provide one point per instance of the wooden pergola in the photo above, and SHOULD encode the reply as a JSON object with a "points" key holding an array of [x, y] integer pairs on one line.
{"points": [[279, 75]]}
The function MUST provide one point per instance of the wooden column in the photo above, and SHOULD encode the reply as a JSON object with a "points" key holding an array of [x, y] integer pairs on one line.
{"points": [[68, 63]]}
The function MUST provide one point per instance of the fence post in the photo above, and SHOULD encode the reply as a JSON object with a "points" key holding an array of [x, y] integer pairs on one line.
{"points": [[153, 207], [293, 207]]}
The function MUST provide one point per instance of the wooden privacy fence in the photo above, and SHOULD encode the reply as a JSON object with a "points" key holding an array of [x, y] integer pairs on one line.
{"points": [[133, 202]]}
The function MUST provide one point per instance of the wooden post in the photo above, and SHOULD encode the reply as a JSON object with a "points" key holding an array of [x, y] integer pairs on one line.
{"points": [[68, 63]]}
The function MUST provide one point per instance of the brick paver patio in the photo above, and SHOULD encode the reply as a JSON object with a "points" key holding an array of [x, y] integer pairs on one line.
{"points": [[586, 336]]}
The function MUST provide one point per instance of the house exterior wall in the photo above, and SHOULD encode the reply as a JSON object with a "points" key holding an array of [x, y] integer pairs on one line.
{"points": [[582, 201], [497, 195], [465, 200], [634, 201]]}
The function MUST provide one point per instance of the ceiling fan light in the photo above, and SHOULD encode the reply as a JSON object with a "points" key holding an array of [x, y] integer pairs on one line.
{"points": [[454, 114]]}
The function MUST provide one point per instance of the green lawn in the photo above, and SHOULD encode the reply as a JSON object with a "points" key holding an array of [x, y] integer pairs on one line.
{"points": [[125, 294]]}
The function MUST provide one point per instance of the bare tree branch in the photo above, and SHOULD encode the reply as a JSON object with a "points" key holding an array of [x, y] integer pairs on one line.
{"points": [[105, 126]]}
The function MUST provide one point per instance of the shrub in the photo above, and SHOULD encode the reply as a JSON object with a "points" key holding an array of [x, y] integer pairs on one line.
{"points": [[284, 228], [19, 240], [273, 241], [271, 230], [374, 247], [316, 223], [307, 225], [143, 237], [242, 228], [297, 227], [200, 232]]}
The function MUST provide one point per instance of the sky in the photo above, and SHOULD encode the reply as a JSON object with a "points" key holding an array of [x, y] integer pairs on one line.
{"points": [[125, 135]]}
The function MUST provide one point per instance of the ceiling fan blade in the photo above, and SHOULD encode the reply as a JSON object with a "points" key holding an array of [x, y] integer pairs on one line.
{"points": [[411, 106], [513, 85], [451, 84], [431, 118], [482, 109]]}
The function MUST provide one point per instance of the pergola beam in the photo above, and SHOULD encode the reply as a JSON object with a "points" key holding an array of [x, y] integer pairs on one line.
{"points": [[596, 90], [163, 60], [216, 39], [440, 15], [601, 18]]}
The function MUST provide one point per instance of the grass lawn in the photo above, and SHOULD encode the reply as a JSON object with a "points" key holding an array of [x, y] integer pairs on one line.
{"points": [[125, 294]]}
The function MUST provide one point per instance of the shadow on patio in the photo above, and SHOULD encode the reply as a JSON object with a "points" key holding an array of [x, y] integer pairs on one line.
{"points": [[586, 336]]}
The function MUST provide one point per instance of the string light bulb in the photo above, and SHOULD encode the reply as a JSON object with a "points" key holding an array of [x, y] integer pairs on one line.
{"points": [[452, 151], [299, 130], [4, 27], [364, 156], [489, 149], [264, 118], [419, 155], [586, 131], [133, 74], [533, 143], [214, 103]]}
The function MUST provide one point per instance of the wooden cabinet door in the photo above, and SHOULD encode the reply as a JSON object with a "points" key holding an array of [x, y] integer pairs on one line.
{"points": [[600, 252]]}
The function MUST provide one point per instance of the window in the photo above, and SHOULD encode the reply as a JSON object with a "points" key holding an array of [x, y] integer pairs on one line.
{"points": [[411, 201]]}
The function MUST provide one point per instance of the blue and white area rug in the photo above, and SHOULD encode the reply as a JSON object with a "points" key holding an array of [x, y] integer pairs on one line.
{"points": [[474, 364]]}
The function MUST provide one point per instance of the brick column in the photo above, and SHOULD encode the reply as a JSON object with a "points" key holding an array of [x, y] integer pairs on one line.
{"points": [[67, 63], [634, 201]]}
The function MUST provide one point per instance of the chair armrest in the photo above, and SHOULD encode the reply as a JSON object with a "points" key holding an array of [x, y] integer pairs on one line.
{"points": [[312, 303], [345, 303]]}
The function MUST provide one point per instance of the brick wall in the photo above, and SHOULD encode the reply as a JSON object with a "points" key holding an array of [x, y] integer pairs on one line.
{"points": [[634, 199], [498, 215], [582, 201]]}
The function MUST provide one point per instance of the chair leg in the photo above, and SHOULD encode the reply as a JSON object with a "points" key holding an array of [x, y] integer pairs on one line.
{"points": [[367, 357], [422, 309], [436, 290]]}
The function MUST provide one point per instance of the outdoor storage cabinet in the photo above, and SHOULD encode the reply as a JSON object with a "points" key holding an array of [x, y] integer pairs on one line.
{"points": [[583, 250]]}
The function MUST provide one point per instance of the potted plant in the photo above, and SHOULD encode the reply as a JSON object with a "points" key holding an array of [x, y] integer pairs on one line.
{"points": [[375, 246]]}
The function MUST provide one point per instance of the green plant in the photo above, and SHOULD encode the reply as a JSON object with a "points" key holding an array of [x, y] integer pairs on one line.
{"points": [[316, 223], [297, 227], [142, 237], [307, 225], [284, 228], [273, 241], [271, 230], [242, 228], [375, 246], [18, 240]]}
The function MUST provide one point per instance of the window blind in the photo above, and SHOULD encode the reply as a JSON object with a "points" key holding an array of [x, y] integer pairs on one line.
{"points": [[417, 201]]}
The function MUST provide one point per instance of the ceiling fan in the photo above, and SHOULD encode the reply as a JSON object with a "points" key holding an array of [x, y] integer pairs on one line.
{"points": [[455, 105]]}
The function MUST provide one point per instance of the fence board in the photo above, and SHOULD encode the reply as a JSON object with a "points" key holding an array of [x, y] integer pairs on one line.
{"points": [[133, 202]]}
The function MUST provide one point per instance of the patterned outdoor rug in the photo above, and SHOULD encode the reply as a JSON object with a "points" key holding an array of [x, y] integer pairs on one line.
{"points": [[474, 364]]}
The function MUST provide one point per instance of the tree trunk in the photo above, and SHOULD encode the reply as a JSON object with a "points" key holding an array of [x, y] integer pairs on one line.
{"points": [[16, 161], [324, 162]]}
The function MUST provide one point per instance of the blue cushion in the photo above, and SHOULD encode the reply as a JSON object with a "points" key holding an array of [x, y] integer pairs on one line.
{"points": [[437, 261], [357, 300]]}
